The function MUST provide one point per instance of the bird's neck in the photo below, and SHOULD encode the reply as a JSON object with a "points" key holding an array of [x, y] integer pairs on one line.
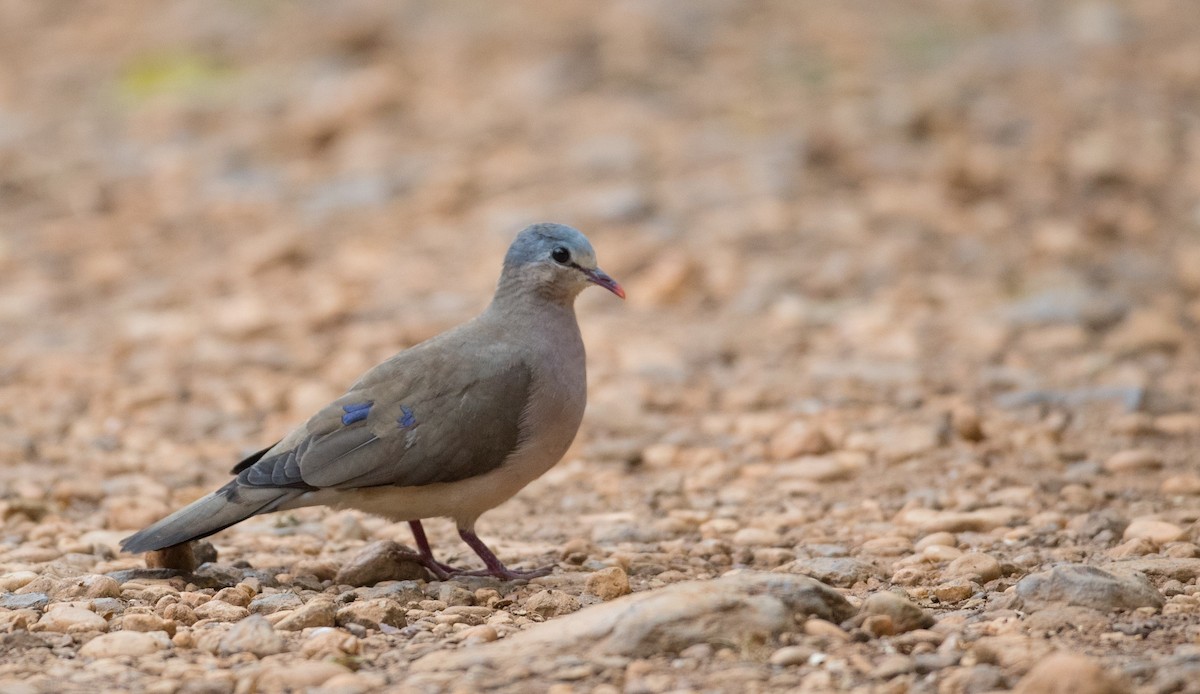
{"points": [[520, 293]]}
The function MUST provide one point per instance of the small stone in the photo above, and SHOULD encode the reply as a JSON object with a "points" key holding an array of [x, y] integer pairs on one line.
{"points": [[1086, 586], [320, 569], [269, 604], [904, 614], [180, 614], [825, 629], [372, 614], [956, 590], [893, 666], [146, 622], [980, 521], [327, 643], [755, 537], [1133, 460], [796, 439], [238, 596], [24, 601], [253, 635], [318, 612], [452, 594], [609, 583], [790, 656], [1156, 531], [125, 643], [878, 625], [219, 611], [1067, 673], [353, 683], [380, 561], [297, 676], [483, 633], [15, 580], [1181, 485], [552, 603], [66, 619], [942, 539], [843, 572], [91, 587], [975, 566]]}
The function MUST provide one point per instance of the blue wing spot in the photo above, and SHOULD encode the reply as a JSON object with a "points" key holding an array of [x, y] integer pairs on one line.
{"points": [[356, 413], [408, 420]]}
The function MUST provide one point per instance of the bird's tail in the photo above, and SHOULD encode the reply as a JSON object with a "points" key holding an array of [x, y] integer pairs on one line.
{"points": [[230, 504]]}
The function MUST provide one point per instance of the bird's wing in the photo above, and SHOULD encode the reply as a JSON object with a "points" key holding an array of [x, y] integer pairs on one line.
{"points": [[437, 417]]}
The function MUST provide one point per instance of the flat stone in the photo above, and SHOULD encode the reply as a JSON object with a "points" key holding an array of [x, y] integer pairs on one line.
{"points": [[905, 615], [269, 604], [24, 601], [68, 619], [253, 635], [384, 560], [666, 620], [125, 643], [372, 614], [1183, 569], [843, 572], [1086, 586], [1068, 673], [318, 612]]}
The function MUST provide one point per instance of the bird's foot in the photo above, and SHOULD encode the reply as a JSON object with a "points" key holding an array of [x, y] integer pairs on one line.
{"points": [[506, 574], [440, 570]]}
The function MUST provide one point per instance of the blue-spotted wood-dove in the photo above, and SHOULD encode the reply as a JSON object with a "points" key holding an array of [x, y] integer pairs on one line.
{"points": [[451, 427]]}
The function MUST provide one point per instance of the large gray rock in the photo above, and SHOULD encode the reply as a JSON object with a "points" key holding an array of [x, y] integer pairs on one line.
{"points": [[735, 608], [381, 561], [1086, 586]]}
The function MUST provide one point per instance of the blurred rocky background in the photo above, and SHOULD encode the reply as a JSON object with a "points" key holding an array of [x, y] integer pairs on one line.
{"points": [[913, 288]]}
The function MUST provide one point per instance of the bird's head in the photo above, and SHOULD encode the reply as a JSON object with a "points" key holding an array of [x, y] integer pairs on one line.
{"points": [[557, 261]]}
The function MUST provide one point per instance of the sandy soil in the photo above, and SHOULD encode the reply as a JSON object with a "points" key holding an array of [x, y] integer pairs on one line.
{"points": [[914, 291]]}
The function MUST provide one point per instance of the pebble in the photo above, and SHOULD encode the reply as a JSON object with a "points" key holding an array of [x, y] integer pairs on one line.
{"points": [[372, 614], [380, 561], [66, 619], [609, 583], [552, 603], [253, 635], [146, 621], [975, 566], [905, 615], [843, 572], [483, 633], [296, 676], [755, 537], [220, 611], [1068, 673], [125, 643], [826, 629], [790, 656], [1086, 586], [24, 601], [956, 590], [318, 612], [797, 439], [325, 643], [939, 539], [1181, 485], [269, 604], [980, 521], [1133, 460], [88, 587], [10, 582], [1155, 531]]}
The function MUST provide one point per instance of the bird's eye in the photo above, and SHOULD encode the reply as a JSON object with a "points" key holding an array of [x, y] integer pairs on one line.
{"points": [[560, 255]]}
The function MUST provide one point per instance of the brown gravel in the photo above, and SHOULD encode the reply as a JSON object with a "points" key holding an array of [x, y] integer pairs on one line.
{"points": [[914, 296]]}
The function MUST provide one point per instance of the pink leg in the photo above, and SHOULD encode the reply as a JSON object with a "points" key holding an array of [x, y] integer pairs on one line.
{"points": [[494, 566], [437, 568]]}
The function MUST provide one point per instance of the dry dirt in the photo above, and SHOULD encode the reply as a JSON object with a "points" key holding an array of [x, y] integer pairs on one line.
{"points": [[914, 296]]}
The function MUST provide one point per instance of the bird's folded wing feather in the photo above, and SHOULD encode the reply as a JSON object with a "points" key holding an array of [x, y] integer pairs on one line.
{"points": [[410, 422]]}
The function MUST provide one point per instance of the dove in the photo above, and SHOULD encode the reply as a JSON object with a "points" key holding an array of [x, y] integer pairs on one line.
{"points": [[451, 427]]}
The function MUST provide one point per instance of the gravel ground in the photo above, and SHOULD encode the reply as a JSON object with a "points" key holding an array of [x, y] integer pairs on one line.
{"points": [[914, 291]]}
